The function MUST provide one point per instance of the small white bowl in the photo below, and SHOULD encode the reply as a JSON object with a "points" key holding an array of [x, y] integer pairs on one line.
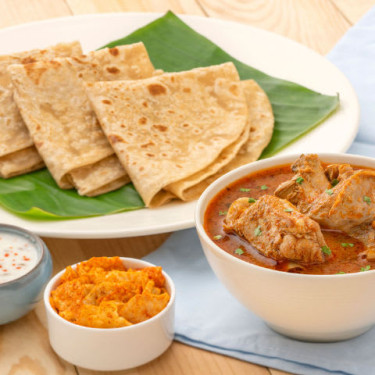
{"points": [[111, 349], [306, 307]]}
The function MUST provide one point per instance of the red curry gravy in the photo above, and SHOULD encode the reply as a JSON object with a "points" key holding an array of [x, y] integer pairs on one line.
{"points": [[346, 257]]}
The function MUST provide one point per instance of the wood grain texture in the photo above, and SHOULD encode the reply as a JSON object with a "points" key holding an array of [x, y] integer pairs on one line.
{"points": [[101, 6], [24, 347], [278, 372], [181, 359], [13, 12], [353, 10], [317, 24]]}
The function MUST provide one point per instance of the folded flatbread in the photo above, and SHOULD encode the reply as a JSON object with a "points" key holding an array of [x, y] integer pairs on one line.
{"points": [[169, 127], [17, 152], [183, 189], [54, 105], [259, 133]]}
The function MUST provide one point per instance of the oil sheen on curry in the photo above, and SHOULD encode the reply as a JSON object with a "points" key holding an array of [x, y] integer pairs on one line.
{"points": [[307, 217]]}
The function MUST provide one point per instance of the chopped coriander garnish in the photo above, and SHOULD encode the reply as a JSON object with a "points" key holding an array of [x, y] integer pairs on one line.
{"points": [[347, 244], [329, 191], [218, 237], [264, 187], [239, 251], [367, 199], [299, 180], [244, 189], [334, 182], [257, 231], [367, 268], [288, 210], [252, 200], [341, 273], [326, 250], [223, 213]]}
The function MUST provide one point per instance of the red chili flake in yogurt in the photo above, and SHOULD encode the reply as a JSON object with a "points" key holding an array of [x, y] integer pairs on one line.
{"points": [[18, 256]]}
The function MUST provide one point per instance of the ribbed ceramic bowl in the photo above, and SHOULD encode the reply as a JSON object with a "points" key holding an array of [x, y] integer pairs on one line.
{"points": [[306, 307], [19, 296], [111, 349]]}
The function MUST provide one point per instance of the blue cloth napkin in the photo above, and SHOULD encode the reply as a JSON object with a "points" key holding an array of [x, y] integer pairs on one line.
{"points": [[208, 317]]}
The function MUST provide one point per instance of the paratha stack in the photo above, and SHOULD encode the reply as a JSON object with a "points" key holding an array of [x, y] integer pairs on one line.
{"points": [[173, 131], [55, 107], [17, 152], [102, 119]]}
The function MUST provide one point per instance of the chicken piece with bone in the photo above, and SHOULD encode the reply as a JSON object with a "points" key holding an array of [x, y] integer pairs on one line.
{"points": [[276, 229], [343, 198], [307, 185]]}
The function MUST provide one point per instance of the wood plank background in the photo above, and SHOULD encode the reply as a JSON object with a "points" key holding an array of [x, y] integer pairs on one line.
{"points": [[318, 24]]}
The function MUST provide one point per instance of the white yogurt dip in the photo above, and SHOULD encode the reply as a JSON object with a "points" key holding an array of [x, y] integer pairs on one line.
{"points": [[18, 256]]}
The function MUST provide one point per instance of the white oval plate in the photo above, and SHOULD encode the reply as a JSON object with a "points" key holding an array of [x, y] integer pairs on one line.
{"points": [[271, 53]]}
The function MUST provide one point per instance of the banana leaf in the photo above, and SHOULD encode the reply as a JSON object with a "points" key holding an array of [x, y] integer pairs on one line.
{"points": [[37, 196], [172, 46]]}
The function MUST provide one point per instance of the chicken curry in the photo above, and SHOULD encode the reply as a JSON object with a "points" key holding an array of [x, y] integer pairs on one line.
{"points": [[308, 218]]}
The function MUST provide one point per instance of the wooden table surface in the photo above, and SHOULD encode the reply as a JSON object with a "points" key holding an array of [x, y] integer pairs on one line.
{"points": [[319, 24]]}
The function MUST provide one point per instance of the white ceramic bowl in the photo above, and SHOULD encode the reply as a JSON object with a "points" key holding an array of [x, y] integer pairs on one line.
{"points": [[306, 307], [111, 349]]}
